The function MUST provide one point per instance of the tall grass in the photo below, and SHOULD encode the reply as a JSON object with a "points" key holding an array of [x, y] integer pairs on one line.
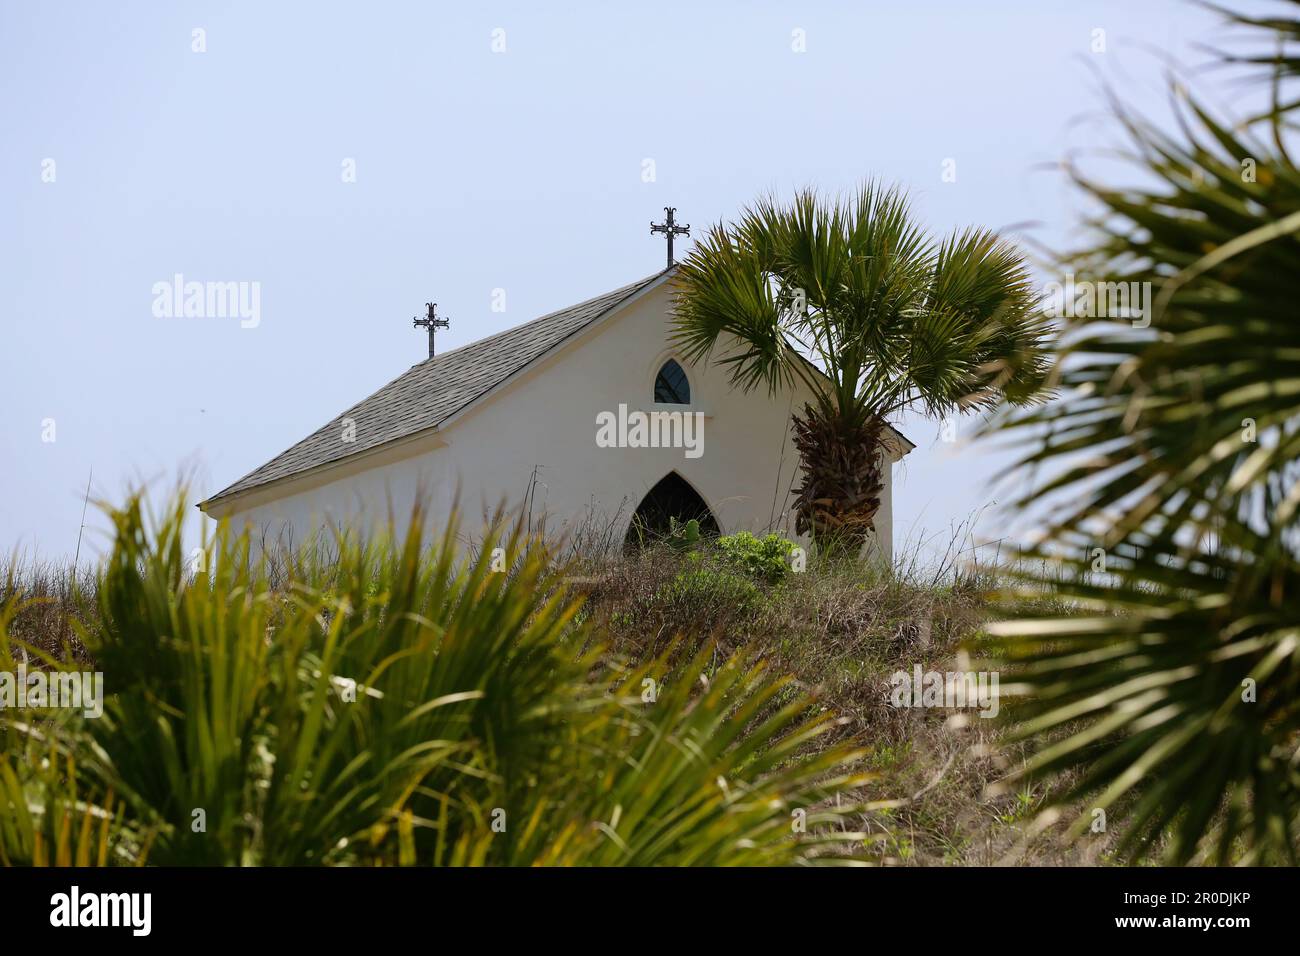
{"points": [[399, 705], [843, 628]]}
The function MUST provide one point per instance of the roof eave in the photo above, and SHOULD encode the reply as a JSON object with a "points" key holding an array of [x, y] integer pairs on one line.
{"points": [[226, 497]]}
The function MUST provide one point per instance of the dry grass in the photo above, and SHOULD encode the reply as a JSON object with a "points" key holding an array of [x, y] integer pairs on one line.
{"points": [[50, 598], [842, 630]]}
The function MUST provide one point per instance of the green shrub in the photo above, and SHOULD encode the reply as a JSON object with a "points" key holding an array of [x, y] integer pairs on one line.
{"points": [[766, 558]]}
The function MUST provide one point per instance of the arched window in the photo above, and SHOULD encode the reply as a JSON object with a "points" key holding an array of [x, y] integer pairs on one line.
{"points": [[671, 385]]}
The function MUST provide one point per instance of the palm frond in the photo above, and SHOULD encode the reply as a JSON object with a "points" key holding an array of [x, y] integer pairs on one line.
{"points": [[394, 703], [1195, 414], [1165, 480], [1169, 687]]}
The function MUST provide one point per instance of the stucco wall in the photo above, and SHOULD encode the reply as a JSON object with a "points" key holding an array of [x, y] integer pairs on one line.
{"points": [[546, 419]]}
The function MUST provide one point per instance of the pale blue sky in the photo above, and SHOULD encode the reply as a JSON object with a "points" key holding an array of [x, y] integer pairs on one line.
{"points": [[476, 170]]}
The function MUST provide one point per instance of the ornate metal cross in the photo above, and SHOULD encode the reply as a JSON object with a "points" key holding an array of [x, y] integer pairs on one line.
{"points": [[431, 322], [670, 229]]}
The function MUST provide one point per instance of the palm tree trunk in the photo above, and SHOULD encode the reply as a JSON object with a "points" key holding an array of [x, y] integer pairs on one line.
{"points": [[842, 476]]}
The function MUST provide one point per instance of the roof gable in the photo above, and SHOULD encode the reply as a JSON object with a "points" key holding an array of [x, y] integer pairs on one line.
{"points": [[429, 393]]}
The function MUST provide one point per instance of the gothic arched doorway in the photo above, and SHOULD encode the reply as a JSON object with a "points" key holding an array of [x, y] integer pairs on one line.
{"points": [[672, 498]]}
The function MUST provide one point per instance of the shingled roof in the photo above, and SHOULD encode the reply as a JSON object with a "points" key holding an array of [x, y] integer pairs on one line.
{"points": [[427, 394]]}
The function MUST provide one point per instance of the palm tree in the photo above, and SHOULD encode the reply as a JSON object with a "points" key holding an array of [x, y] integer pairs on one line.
{"points": [[1169, 685], [852, 300]]}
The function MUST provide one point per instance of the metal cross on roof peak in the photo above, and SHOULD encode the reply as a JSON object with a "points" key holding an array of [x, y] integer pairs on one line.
{"points": [[431, 322], [670, 228]]}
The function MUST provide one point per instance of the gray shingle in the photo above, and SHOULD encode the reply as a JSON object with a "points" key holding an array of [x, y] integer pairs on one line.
{"points": [[429, 393]]}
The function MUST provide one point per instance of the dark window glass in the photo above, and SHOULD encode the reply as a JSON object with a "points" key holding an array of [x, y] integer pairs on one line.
{"points": [[671, 386], [671, 500]]}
